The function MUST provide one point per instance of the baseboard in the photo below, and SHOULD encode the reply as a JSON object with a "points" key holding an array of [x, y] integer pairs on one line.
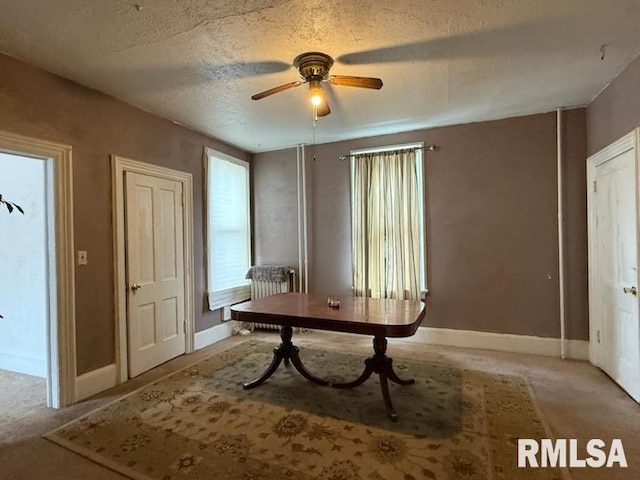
{"points": [[503, 342], [96, 381], [212, 335], [36, 367], [576, 349]]}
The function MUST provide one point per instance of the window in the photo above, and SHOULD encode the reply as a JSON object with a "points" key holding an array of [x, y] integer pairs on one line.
{"points": [[387, 222], [228, 229]]}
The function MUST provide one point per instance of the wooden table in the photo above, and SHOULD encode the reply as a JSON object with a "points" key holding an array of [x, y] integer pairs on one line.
{"points": [[381, 318]]}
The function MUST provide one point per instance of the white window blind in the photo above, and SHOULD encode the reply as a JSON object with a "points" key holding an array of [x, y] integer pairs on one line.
{"points": [[228, 230]]}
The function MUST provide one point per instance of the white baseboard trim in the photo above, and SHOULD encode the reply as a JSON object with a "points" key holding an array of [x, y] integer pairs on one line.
{"points": [[96, 381], [502, 342], [212, 335], [36, 367], [576, 349]]}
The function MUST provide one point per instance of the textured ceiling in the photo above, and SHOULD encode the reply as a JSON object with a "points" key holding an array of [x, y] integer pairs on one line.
{"points": [[197, 62]]}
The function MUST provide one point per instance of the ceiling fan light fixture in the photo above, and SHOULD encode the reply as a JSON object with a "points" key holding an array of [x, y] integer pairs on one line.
{"points": [[315, 92]]}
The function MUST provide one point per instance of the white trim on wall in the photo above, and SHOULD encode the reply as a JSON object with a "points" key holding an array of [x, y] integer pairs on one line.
{"points": [[61, 327], [120, 165], [212, 335], [96, 381], [502, 342]]}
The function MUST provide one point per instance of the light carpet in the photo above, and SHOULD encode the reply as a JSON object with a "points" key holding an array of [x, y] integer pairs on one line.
{"points": [[199, 423]]}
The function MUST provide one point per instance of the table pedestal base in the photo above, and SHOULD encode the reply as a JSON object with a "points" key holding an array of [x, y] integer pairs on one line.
{"points": [[378, 363], [382, 365], [286, 351]]}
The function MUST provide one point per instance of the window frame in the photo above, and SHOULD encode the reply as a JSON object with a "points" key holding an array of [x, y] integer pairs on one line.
{"points": [[419, 147], [221, 298]]}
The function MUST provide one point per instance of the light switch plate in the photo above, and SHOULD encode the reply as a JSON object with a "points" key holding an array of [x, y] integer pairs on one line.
{"points": [[82, 258], [226, 313]]}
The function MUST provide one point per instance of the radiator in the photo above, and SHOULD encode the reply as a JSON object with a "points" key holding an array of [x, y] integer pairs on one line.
{"points": [[261, 289]]}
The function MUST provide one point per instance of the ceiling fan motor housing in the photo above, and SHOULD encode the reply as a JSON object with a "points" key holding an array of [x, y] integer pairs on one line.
{"points": [[313, 65]]}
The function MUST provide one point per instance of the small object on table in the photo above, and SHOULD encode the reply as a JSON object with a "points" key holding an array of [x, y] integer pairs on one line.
{"points": [[333, 302]]}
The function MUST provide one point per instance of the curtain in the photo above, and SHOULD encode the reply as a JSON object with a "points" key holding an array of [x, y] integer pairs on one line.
{"points": [[385, 225]]}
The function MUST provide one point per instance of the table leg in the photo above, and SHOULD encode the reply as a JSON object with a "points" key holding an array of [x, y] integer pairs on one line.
{"points": [[275, 362], [386, 396], [295, 359], [382, 365], [368, 370], [286, 351]]}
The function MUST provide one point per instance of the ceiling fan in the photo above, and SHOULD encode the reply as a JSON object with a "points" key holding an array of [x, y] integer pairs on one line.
{"points": [[314, 68]]}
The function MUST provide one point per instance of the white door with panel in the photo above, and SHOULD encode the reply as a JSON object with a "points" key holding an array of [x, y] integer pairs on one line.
{"points": [[614, 269], [155, 271]]}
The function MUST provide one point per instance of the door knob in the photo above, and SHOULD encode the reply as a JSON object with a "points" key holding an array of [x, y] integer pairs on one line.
{"points": [[631, 290], [135, 287]]}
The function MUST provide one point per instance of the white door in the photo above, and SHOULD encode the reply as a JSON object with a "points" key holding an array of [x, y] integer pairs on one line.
{"points": [[155, 271], [617, 342]]}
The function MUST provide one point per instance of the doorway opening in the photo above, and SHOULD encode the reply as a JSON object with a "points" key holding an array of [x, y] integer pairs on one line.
{"points": [[37, 299], [24, 264]]}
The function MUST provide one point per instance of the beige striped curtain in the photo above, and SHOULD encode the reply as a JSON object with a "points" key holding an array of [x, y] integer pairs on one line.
{"points": [[385, 225]]}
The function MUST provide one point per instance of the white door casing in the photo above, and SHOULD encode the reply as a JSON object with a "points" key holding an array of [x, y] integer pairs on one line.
{"points": [[155, 271], [613, 262], [169, 181]]}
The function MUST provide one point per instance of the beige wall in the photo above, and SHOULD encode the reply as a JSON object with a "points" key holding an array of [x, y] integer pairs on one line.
{"points": [[491, 229], [616, 111], [41, 105], [275, 209]]}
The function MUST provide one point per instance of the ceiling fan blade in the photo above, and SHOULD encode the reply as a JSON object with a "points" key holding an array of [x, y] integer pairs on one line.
{"points": [[278, 89], [362, 82]]}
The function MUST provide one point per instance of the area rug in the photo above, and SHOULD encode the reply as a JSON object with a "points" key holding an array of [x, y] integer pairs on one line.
{"points": [[199, 423]]}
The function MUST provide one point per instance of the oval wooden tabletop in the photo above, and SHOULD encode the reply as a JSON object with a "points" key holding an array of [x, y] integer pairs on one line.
{"points": [[369, 316]]}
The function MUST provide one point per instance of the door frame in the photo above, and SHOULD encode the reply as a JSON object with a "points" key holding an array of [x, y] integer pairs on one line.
{"points": [[631, 141], [120, 165], [61, 321]]}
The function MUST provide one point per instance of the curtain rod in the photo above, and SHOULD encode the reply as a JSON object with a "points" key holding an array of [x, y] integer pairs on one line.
{"points": [[431, 148]]}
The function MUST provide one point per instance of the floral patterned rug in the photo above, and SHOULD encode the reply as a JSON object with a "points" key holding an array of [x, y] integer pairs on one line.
{"points": [[199, 423]]}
